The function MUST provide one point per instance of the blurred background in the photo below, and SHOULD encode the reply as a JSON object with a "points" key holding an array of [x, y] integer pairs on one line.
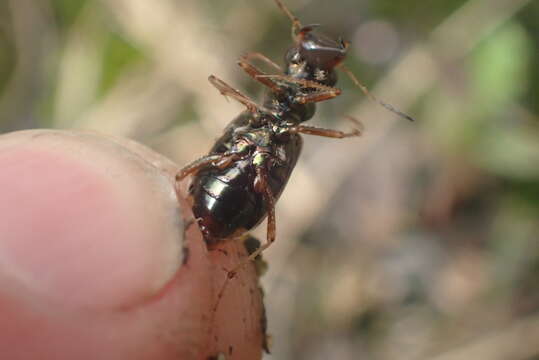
{"points": [[418, 240]]}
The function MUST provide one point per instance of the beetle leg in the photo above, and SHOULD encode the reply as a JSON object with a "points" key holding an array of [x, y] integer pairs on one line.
{"points": [[196, 165], [261, 185], [258, 75], [263, 58], [317, 96], [220, 161], [228, 90], [227, 159], [296, 24], [321, 92], [287, 79], [252, 244], [312, 130]]}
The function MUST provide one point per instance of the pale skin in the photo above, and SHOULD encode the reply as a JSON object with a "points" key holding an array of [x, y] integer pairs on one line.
{"points": [[91, 251]]}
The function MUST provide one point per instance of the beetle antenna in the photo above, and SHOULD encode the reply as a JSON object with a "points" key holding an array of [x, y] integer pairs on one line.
{"points": [[372, 97], [296, 24]]}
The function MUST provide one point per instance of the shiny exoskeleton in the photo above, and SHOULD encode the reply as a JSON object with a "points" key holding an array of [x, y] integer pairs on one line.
{"points": [[230, 199], [236, 186]]}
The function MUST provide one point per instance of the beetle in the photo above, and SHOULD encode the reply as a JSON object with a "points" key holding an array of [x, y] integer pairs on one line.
{"points": [[235, 187]]}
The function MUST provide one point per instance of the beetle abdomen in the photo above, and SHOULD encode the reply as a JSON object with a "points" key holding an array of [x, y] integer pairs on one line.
{"points": [[225, 201]]}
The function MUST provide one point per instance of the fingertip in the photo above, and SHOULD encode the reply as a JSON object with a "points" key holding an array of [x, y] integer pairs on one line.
{"points": [[93, 248], [79, 208], [239, 328]]}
